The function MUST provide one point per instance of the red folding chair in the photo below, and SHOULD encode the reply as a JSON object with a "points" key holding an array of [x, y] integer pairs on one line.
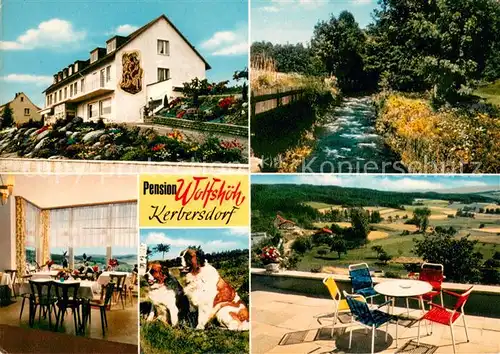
{"points": [[433, 274], [447, 317]]}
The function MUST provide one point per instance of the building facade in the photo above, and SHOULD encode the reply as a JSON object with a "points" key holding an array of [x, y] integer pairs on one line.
{"points": [[23, 110], [117, 82]]}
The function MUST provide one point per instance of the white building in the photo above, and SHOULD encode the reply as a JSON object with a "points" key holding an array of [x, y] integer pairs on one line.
{"points": [[118, 81]]}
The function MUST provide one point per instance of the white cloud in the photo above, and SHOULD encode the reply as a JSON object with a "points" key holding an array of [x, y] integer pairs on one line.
{"points": [[154, 238], [269, 9], [361, 2], [239, 231], [224, 43], [235, 49], [374, 182], [54, 33], [38, 80], [218, 39], [124, 30]]}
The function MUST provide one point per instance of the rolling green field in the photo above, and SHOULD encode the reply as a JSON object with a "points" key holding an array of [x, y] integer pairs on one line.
{"points": [[399, 246], [491, 93]]}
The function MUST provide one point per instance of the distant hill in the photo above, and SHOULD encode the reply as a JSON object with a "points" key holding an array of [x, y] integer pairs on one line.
{"points": [[290, 199]]}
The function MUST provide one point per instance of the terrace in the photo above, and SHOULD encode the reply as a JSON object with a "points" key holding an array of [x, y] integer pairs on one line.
{"points": [[286, 307]]}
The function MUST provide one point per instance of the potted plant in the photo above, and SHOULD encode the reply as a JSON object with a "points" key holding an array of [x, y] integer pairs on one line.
{"points": [[113, 264], [49, 264], [271, 258]]}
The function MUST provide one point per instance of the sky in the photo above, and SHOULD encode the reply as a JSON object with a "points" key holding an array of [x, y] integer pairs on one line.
{"points": [[292, 21], [55, 33], [386, 183], [210, 240]]}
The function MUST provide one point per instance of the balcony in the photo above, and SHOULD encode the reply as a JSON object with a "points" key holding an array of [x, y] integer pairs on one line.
{"points": [[286, 307], [92, 88]]}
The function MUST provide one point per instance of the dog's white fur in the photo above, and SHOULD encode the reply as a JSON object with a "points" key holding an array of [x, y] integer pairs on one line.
{"points": [[163, 299], [201, 290]]}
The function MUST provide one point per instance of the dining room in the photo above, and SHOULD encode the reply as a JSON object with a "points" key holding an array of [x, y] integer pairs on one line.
{"points": [[68, 263]]}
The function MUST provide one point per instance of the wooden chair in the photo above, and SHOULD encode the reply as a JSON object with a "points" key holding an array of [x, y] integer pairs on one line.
{"points": [[41, 297], [120, 290], [131, 288], [67, 298], [102, 305]]}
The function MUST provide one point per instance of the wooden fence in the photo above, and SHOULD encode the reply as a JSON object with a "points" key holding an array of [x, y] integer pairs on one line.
{"points": [[269, 99]]}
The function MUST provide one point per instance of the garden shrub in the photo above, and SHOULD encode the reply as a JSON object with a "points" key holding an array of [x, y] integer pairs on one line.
{"points": [[440, 141], [302, 244]]}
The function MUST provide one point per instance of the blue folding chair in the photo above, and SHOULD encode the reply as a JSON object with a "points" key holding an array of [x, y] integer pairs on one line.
{"points": [[369, 318], [361, 280]]}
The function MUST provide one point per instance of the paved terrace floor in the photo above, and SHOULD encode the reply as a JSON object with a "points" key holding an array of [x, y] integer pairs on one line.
{"points": [[287, 323]]}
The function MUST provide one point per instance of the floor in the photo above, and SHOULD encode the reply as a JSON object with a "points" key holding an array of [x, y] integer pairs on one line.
{"points": [[287, 323], [122, 323]]}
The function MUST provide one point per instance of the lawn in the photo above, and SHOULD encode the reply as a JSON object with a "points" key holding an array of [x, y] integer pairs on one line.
{"points": [[158, 338], [490, 92]]}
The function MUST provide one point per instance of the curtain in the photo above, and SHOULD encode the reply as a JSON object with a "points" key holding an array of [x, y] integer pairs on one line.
{"points": [[32, 215], [94, 226], [20, 235], [59, 232], [45, 222], [123, 230]]}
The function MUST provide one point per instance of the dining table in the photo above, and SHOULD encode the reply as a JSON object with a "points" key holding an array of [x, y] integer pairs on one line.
{"points": [[6, 279], [105, 278], [88, 289], [403, 288], [47, 274]]}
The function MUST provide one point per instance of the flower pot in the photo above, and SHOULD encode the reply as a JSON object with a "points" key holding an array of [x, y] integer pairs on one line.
{"points": [[272, 268]]}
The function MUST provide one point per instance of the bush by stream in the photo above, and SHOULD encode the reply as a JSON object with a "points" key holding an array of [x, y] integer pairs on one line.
{"points": [[439, 141]]}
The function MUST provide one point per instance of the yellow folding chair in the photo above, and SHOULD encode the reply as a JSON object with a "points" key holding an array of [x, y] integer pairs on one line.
{"points": [[341, 305]]}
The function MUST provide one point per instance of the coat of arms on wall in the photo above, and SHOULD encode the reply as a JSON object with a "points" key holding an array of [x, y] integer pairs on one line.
{"points": [[132, 73]]}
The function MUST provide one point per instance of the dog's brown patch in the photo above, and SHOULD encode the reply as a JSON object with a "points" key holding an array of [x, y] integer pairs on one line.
{"points": [[242, 315], [225, 292], [157, 272]]}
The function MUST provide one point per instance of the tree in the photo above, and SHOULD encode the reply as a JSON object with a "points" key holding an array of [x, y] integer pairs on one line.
{"points": [[421, 218], [161, 248], [7, 118], [339, 43], [458, 256], [338, 245], [440, 45], [360, 223], [375, 218], [301, 245]]}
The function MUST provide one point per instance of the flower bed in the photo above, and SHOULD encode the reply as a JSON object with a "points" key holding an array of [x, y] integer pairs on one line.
{"points": [[215, 109], [75, 139], [439, 141]]}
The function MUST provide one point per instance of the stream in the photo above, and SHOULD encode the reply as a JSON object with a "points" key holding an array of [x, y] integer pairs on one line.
{"points": [[346, 141]]}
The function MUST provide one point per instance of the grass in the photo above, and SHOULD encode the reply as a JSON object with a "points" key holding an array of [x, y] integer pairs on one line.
{"points": [[490, 92], [158, 338]]}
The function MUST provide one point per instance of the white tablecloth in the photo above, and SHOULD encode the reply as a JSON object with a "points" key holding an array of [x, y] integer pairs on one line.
{"points": [[86, 291], [44, 274], [6, 279], [105, 278]]}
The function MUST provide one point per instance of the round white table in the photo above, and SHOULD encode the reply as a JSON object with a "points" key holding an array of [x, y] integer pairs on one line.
{"points": [[44, 274], [404, 288], [105, 278]]}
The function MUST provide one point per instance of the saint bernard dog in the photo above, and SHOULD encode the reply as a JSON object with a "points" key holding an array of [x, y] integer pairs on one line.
{"points": [[211, 295], [166, 294]]}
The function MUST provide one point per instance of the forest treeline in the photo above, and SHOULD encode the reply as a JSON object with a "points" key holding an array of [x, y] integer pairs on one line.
{"points": [[290, 199], [446, 47]]}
